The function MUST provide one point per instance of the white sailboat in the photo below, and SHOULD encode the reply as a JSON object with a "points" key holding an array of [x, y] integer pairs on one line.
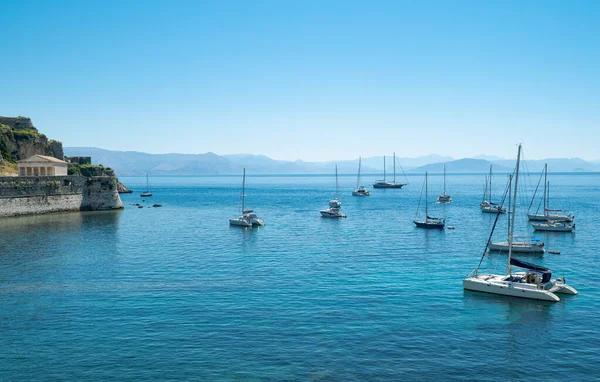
{"points": [[531, 246], [547, 213], [384, 183], [148, 191], [487, 205], [444, 198], [360, 190], [428, 222], [534, 283], [248, 218], [334, 205]]}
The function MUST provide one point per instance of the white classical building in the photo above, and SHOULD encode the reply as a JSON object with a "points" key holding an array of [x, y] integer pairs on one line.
{"points": [[41, 165]]}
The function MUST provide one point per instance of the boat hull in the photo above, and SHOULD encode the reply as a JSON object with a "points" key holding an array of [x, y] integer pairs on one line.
{"points": [[429, 225], [517, 247], [332, 213], [237, 222], [507, 288], [388, 185], [553, 227], [556, 218], [361, 193]]}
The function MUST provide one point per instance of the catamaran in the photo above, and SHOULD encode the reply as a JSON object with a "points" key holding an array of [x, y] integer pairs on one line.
{"points": [[248, 218], [444, 198], [534, 283], [428, 222], [385, 184], [547, 214], [360, 190], [334, 205], [487, 205]]}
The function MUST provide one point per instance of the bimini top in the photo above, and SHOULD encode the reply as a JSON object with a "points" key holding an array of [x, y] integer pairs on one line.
{"points": [[523, 264]]}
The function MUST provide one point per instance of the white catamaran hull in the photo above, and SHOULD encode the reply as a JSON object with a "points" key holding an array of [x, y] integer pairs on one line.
{"points": [[240, 222], [495, 285]]}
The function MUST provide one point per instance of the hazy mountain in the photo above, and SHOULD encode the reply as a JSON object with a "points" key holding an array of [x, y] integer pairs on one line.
{"points": [[490, 158], [466, 165], [127, 163]]}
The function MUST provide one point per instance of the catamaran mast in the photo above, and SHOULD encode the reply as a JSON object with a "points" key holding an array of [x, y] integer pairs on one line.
{"points": [[512, 217], [384, 168]]}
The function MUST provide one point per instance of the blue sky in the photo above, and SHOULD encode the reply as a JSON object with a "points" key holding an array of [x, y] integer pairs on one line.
{"points": [[311, 80]]}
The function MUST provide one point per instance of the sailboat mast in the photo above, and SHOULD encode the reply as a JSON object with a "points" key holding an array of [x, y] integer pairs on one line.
{"points": [[490, 190], [337, 188], [512, 217], [509, 203], [394, 167], [545, 187], [444, 179], [243, 190], [426, 211], [358, 177], [384, 168]]}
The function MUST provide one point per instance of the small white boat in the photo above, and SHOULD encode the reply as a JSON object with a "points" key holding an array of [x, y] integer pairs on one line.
{"points": [[248, 218], [548, 214], [444, 198], [486, 205], [535, 283], [335, 204], [360, 190], [518, 246], [554, 226], [332, 213]]}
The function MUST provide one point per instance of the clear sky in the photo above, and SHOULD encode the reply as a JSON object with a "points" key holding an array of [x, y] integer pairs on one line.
{"points": [[311, 80]]}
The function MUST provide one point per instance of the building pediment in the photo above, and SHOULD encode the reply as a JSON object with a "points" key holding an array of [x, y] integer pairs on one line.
{"points": [[42, 159]]}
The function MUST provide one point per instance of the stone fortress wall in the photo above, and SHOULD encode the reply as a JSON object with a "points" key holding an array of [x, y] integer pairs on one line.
{"points": [[26, 195]]}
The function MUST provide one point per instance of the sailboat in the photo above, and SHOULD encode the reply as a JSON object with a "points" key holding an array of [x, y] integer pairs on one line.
{"points": [[534, 283], [429, 222], [385, 184], [148, 192], [360, 190], [248, 218], [532, 246], [487, 205], [444, 198], [547, 214], [334, 205]]}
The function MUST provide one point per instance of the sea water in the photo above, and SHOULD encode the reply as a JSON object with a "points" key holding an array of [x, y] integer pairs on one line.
{"points": [[175, 293]]}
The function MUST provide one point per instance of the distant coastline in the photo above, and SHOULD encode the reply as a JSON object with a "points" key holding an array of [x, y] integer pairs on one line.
{"points": [[131, 163]]}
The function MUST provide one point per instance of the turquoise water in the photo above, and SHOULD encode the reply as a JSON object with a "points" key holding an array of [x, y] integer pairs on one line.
{"points": [[174, 293]]}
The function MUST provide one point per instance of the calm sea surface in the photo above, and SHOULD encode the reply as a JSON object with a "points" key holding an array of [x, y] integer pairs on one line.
{"points": [[174, 293]]}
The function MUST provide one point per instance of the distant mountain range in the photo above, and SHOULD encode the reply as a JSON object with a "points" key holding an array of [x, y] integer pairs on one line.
{"points": [[131, 163]]}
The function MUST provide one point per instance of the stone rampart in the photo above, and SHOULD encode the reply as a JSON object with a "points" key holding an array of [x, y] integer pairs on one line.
{"points": [[25, 195]]}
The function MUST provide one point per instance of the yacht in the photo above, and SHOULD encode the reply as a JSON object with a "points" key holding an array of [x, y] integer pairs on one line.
{"points": [[248, 218], [360, 190], [334, 205]]}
